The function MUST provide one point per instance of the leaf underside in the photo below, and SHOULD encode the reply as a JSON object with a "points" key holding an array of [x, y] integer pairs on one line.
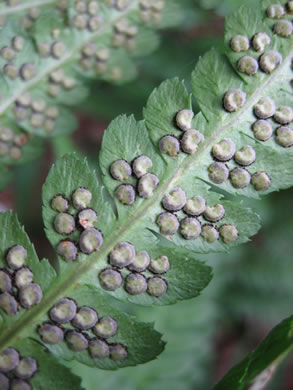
{"points": [[137, 225]]}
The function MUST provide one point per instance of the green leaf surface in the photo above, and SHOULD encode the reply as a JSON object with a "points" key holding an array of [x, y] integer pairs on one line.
{"points": [[258, 367]]}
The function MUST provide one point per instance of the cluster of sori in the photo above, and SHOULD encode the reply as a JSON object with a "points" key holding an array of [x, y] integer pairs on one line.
{"points": [[150, 10], [83, 218], [267, 114], [87, 15], [191, 138], [269, 60], [266, 111], [239, 177], [124, 35], [122, 170], [95, 58], [36, 111], [9, 55], [83, 330], [283, 27], [56, 50], [15, 370], [194, 225], [119, 5], [31, 14], [58, 81], [16, 283], [137, 268], [11, 143]]}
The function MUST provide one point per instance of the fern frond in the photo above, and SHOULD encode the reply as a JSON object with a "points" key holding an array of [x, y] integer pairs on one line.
{"points": [[140, 241]]}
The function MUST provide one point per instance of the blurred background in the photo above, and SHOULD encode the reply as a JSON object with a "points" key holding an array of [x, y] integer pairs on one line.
{"points": [[252, 287]]}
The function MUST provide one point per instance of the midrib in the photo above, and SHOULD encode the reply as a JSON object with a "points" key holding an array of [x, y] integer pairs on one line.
{"points": [[29, 318]]}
